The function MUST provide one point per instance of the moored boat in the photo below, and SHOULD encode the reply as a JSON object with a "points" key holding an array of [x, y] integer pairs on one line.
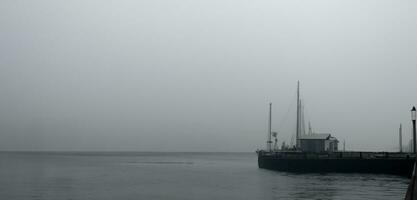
{"points": [[319, 153]]}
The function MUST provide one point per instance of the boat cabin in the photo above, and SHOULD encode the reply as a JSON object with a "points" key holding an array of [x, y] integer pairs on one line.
{"points": [[318, 142]]}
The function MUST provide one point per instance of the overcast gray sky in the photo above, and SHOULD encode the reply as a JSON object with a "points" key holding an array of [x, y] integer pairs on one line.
{"points": [[197, 75]]}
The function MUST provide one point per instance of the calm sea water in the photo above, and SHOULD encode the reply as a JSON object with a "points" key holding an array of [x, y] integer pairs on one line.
{"points": [[179, 176]]}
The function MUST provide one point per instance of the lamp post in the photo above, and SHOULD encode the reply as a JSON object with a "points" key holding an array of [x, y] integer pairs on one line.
{"points": [[413, 119]]}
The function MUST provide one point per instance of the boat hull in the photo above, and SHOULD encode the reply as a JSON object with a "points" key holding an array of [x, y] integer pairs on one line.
{"points": [[402, 166]]}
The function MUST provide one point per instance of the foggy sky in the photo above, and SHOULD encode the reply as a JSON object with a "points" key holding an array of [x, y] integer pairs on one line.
{"points": [[195, 75]]}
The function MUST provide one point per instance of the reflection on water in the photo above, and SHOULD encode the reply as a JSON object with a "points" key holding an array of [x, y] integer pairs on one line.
{"points": [[176, 176]]}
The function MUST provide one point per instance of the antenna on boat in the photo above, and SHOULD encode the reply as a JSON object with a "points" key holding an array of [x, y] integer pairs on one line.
{"points": [[268, 143], [297, 134], [302, 125], [275, 134], [401, 139]]}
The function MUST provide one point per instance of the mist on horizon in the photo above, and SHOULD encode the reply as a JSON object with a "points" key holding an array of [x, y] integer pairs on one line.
{"points": [[199, 75]]}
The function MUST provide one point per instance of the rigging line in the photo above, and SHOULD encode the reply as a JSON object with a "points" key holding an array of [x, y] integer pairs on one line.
{"points": [[292, 143], [306, 114], [305, 110], [285, 117]]}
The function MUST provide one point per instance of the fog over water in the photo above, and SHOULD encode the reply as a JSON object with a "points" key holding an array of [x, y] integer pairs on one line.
{"points": [[179, 75], [178, 176]]}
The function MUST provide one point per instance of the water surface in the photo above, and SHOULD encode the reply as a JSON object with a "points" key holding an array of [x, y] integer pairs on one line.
{"points": [[131, 175]]}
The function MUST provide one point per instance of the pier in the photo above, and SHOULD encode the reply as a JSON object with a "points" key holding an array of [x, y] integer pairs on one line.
{"points": [[339, 162]]}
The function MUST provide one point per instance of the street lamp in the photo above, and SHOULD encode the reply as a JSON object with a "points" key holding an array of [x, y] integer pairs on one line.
{"points": [[413, 119]]}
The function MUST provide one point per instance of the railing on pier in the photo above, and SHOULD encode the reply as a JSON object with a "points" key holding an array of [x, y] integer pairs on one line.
{"points": [[412, 187]]}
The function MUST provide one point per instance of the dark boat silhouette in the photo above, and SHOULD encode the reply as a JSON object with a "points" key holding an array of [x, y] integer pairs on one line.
{"points": [[318, 153]]}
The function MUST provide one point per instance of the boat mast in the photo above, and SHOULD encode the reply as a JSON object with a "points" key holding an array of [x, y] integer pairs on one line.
{"points": [[268, 143], [302, 123], [401, 139], [297, 134]]}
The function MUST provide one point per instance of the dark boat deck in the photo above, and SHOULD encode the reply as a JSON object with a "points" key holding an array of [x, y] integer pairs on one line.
{"points": [[340, 162]]}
